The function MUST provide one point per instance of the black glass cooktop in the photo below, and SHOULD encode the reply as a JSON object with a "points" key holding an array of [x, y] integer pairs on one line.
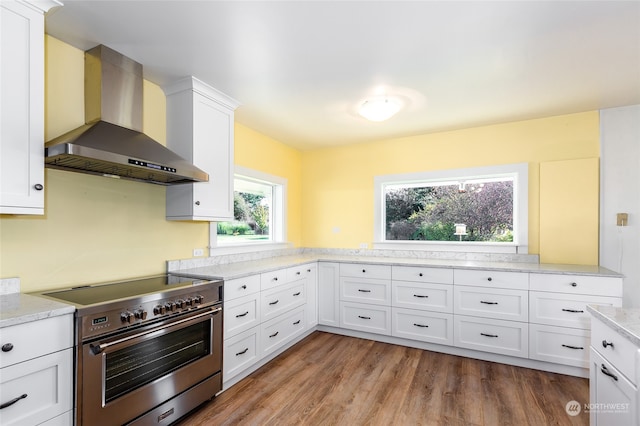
{"points": [[101, 293]]}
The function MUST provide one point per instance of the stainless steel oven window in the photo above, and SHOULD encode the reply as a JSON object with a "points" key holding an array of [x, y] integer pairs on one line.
{"points": [[132, 367]]}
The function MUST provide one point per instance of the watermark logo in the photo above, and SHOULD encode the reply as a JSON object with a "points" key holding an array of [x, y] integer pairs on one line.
{"points": [[572, 408]]}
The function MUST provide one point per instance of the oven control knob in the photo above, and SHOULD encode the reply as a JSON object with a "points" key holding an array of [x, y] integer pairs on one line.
{"points": [[198, 299], [171, 307], [180, 304], [140, 314], [126, 316], [188, 301], [159, 310]]}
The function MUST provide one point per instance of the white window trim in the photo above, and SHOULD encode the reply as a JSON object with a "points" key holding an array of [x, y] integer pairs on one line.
{"points": [[520, 174], [278, 227]]}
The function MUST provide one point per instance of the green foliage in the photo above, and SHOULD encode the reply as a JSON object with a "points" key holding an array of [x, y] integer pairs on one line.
{"points": [[233, 228], [260, 214]]}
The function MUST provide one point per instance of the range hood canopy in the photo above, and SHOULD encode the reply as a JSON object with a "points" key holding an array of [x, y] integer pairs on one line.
{"points": [[112, 143]]}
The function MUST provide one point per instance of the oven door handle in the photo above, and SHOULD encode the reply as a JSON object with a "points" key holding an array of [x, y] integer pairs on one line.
{"points": [[97, 349]]}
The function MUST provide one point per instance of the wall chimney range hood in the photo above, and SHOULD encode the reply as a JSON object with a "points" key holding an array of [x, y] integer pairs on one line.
{"points": [[112, 143]]}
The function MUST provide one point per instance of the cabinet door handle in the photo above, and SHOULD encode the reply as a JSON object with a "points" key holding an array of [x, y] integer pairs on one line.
{"points": [[13, 401], [197, 203], [606, 372], [298, 273], [297, 322], [420, 274], [364, 271], [38, 187], [274, 303], [489, 279], [242, 352], [296, 294], [488, 303], [7, 347], [360, 316], [605, 344], [243, 286], [274, 334], [488, 335], [573, 311], [364, 291], [308, 270], [573, 347], [421, 296], [242, 315], [275, 279], [574, 284], [421, 325]]}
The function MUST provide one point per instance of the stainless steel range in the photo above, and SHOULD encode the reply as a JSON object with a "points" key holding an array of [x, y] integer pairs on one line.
{"points": [[148, 350]]}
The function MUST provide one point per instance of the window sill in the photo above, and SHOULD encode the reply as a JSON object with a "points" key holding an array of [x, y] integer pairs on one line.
{"points": [[453, 246]]}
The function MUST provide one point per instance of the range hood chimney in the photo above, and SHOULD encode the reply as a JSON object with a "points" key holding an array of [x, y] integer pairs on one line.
{"points": [[111, 143]]}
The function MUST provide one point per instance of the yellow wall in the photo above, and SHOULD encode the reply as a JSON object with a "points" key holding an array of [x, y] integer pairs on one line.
{"points": [[338, 182]]}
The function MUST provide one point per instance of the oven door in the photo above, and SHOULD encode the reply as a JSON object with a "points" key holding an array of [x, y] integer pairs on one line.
{"points": [[128, 374]]}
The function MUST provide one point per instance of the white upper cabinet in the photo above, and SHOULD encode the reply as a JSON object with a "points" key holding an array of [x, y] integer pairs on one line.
{"points": [[22, 106], [200, 129]]}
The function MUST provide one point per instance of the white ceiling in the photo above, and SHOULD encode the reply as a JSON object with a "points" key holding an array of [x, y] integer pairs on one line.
{"points": [[301, 68]]}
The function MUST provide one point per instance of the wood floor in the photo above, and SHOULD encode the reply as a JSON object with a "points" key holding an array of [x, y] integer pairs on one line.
{"points": [[329, 379]]}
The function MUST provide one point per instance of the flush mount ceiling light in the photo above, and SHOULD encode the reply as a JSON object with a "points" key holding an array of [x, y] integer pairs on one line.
{"points": [[379, 109]]}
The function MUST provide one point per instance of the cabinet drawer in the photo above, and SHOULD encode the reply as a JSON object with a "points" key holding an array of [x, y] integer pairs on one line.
{"points": [[359, 270], [561, 345], [491, 335], [377, 292], [414, 295], [491, 303], [424, 326], [279, 331], [494, 279], [422, 274], [565, 310], [241, 287], [279, 300], [299, 272], [241, 314], [609, 388], [371, 318], [269, 280], [47, 382], [577, 284], [240, 352], [36, 338], [616, 349]]}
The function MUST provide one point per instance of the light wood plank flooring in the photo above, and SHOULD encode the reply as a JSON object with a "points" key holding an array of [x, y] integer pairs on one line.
{"points": [[329, 379]]}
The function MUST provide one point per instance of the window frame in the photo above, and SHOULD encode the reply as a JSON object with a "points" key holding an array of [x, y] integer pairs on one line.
{"points": [[278, 216], [518, 171]]}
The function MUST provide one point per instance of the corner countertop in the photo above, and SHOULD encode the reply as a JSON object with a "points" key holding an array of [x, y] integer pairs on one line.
{"points": [[18, 308], [242, 269], [625, 321]]}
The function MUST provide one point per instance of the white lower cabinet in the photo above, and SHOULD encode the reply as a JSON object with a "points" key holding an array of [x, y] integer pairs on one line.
{"points": [[434, 327], [491, 335], [612, 396], [329, 294], [363, 317], [492, 303], [558, 345], [240, 352], [281, 330]]}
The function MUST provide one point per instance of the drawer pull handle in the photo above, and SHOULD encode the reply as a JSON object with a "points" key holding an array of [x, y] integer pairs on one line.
{"points": [[297, 322], [608, 373], [242, 352], [488, 303], [308, 270], [7, 347], [488, 335], [298, 273], [23, 396], [274, 303], [573, 347], [573, 311], [420, 274], [574, 284], [243, 286], [489, 279], [605, 344], [275, 279], [421, 325], [242, 315], [364, 271], [296, 294], [422, 296], [274, 334], [364, 291], [360, 316]]}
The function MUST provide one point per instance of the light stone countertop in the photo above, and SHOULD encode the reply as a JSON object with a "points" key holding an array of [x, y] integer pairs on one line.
{"points": [[251, 267], [625, 321], [18, 308]]}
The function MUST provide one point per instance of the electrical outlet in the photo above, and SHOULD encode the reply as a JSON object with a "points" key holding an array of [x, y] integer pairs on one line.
{"points": [[622, 219], [198, 252]]}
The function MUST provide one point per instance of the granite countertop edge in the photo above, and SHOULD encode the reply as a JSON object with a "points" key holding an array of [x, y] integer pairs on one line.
{"points": [[20, 308], [625, 321]]}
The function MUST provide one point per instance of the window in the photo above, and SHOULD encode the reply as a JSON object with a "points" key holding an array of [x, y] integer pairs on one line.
{"points": [[479, 209], [258, 208]]}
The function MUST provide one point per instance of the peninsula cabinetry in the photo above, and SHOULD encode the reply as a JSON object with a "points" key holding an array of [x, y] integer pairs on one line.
{"points": [[22, 106], [200, 123], [613, 381], [36, 372], [329, 294], [559, 321]]}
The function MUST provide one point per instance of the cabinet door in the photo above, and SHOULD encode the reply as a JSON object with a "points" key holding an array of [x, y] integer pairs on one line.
{"points": [[612, 396], [311, 308], [328, 294], [22, 109]]}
